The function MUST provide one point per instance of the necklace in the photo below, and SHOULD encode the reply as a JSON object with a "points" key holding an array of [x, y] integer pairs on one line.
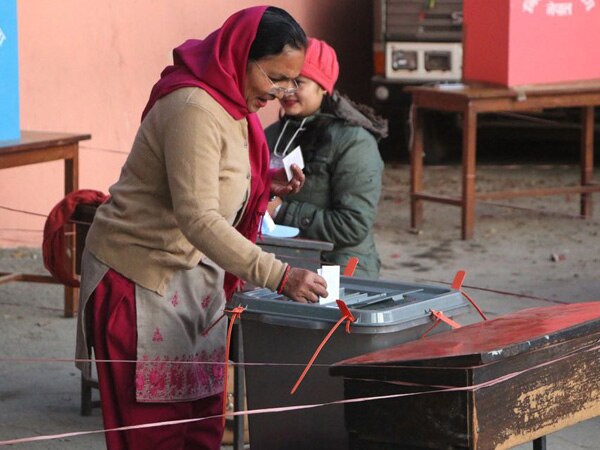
{"points": [[287, 147]]}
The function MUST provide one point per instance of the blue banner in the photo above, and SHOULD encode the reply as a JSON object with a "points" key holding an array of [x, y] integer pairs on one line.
{"points": [[9, 72]]}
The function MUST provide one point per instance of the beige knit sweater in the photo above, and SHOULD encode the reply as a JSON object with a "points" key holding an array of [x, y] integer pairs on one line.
{"points": [[180, 193]]}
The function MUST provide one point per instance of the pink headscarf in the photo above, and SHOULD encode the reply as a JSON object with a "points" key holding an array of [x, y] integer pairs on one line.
{"points": [[217, 64]]}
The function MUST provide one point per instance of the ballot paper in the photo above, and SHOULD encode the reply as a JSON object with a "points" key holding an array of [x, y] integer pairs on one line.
{"points": [[268, 222], [332, 277], [294, 157], [270, 228]]}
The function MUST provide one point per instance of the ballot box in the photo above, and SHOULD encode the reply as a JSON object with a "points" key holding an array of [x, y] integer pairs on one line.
{"points": [[280, 336], [523, 42]]}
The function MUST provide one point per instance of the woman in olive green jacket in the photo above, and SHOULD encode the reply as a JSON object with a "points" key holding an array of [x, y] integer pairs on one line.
{"points": [[343, 167]]}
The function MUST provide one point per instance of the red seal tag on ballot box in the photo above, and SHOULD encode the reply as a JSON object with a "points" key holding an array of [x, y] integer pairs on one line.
{"points": [[524, 42]]}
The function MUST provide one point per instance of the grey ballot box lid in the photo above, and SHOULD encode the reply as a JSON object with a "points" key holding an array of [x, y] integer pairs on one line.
{"points": [[379, 306]]}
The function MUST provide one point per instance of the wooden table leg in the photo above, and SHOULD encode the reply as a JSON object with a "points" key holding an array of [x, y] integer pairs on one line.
{"points": [[468, 166], [71, 184], [539, 443], [587, 158], [239, 385], [416, 168]]}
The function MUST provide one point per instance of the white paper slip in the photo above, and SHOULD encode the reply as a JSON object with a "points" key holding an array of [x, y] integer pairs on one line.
{"points": [[270, 228], [332, 278], [294, 157], [268, 222]]}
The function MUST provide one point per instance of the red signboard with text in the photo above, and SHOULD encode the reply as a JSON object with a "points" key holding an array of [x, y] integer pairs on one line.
{"points": [[523, 42]]}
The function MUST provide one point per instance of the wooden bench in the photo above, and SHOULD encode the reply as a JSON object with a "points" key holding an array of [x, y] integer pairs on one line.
{"points": [[36, 147], [516, 379], [472, 100]]}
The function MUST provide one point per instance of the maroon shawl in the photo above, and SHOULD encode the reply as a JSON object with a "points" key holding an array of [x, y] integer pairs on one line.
{"points": [[217, 64]]}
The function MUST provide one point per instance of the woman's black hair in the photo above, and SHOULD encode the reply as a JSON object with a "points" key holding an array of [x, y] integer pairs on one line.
{"points": [[276, 30]]}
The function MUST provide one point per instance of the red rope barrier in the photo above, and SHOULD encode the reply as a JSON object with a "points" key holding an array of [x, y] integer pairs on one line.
{"points": [[346, 315]]}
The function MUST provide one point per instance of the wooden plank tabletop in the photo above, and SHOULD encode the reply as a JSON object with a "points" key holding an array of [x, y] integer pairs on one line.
{"points": [[31, 140], [487, 91], [491, 340]]}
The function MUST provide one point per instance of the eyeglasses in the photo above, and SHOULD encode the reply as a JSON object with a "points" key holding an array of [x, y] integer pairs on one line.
{"points": [[278, 90]]}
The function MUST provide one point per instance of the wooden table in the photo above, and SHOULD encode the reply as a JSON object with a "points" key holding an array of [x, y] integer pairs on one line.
{"points": [[38, 147], [488, 386], [472, 100]]}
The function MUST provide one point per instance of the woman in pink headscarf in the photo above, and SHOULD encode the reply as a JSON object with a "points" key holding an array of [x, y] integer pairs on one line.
{"points": [[185, 210]]}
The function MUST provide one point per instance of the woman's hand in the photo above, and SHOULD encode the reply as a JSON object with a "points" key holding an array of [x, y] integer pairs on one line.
{"points": [[304, 286], [280, 186]]}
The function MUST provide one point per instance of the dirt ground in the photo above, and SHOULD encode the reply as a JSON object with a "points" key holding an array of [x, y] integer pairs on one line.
{"points": [[528, 246], [527, 252]]}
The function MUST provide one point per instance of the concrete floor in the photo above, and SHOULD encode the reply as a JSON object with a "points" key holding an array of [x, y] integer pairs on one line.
{"points": [[511, 252]]}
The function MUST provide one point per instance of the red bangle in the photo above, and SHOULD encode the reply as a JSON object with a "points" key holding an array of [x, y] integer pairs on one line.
{"points": [[284, 279]]}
